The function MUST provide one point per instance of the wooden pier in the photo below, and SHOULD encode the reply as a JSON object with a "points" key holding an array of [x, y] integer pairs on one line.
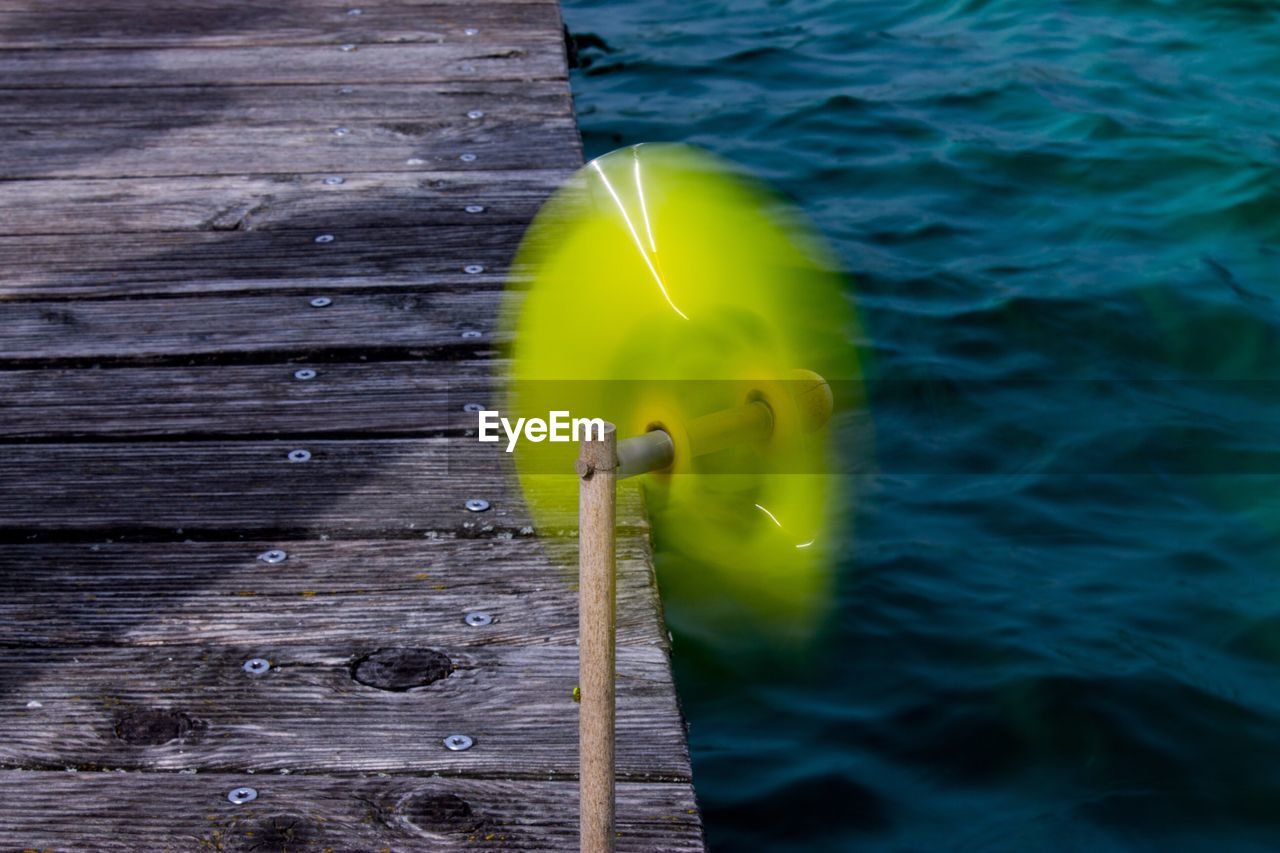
{"points": [[251, 260]]}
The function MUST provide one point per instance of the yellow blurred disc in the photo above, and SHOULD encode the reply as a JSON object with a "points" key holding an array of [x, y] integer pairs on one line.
{"points": [[657, 286]]}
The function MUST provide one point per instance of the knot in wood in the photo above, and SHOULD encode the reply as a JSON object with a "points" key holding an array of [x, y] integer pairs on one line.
{"points": [[441, 813], [285, 833], [400, 669], [153, 726]]}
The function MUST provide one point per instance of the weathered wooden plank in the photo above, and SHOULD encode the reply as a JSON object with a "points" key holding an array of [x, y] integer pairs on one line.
{"points": [[354, 325], [425, 145], [309, 713], [191, 25], [383, 398], [462, 58], [237, 106], [115, 8], [297, 201], [125, 7], [299, 260], [126, 639], [177, 813], [365, 488], [341, 591]]}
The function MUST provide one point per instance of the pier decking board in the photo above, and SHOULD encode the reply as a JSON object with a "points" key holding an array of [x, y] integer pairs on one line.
{"points": [[454, 59], [157, 230], [161, 106], [263, 326], [293, 201], [148, 811], [286, 720], [222, 24], [184, 593], [285, 150], [349, 487], [398, 398], [239, 260]]}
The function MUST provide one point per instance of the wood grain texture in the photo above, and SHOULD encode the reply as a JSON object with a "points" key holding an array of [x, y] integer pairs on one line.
{"points": [[597, 643], [162, 185], [179, 813], [235, 260], [309, 714], [295, 201], [265, 326], [413, 591], [127, 7], [258, 23], [160, 107], [384, 398], [236, 489], [323, 146], [458, 59]]}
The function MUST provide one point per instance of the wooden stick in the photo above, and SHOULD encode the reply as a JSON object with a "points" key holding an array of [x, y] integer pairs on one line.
{"points": [[597, 499]]}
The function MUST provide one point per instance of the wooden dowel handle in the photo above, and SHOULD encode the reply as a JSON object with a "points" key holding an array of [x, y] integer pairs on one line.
{"points": [[597, 510]]}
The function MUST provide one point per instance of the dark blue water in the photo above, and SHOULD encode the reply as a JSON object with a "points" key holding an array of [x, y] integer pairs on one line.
{"points": [[1059, 616]]}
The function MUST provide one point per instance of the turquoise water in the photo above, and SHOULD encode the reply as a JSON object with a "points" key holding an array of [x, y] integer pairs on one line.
{"points": [[1058, 625]]}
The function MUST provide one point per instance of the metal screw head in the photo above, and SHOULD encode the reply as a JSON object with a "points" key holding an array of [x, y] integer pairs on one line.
{"points": [[334, 180], [457, 743], [340, 131], [321, 302], [324, 238], [257, 666], [473, 269], [275, 555], [478, 619], [299, 455], [474, 208], [304, 374], [347, 48], [472, 408], [240, 796], [467, 158], [475, 114], [471, 333], [477, 505]]}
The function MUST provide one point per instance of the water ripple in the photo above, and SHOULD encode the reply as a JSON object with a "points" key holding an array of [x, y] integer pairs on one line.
{"points": [[1058, 626]]}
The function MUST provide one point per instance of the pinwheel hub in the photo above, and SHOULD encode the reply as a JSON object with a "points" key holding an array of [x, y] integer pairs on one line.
{"points": [[810, 402]]}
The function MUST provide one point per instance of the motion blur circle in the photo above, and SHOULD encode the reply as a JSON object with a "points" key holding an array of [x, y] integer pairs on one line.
{"points": [[660, 285]]}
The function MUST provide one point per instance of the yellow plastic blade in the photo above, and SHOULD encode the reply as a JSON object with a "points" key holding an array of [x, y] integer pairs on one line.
{"points": [[660, 285]]}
